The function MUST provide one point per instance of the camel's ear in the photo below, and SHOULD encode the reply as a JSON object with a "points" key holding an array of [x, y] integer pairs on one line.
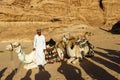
{"points": [[88, 33], [79, 37], [19, 44], [64, 35]]}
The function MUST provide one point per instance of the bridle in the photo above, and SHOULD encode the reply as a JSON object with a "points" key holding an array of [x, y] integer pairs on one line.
{"points": [[12, 47], [15, 46], [82, 43]]}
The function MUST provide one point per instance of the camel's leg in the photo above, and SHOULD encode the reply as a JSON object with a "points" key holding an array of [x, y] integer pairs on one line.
{"points": [[75, 61], [19, 67], [70, 60], [60, 53], [30, 66], [82, 55], [33, 65]]}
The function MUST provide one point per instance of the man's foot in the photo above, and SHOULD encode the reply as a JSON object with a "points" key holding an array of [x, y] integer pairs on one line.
{"points": [[41, 68]]}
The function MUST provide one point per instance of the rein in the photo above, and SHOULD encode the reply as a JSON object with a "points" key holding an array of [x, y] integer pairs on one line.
{"points": [[20, 52], [11, 46], [82, 43], [11, 52]]}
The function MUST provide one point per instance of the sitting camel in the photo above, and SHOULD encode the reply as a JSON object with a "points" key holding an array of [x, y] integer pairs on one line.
{"points": [[73, 50], [28, 59], [86, 48], [77, 49]]}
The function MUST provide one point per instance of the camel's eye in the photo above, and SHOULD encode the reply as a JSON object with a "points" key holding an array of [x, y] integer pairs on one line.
{"points": [[66, 38], [15, 46]]}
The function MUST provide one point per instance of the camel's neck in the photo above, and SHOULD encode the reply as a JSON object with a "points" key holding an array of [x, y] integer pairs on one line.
{"points": [[69, 47], [20, 53], [70, 50], [19, 50]]}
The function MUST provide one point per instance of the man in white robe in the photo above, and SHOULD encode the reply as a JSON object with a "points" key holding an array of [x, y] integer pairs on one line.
{"points": [[39, 47]]}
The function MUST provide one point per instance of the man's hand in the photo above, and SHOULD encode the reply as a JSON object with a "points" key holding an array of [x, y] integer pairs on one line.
{"points": [[34, 49], [44, 50]]}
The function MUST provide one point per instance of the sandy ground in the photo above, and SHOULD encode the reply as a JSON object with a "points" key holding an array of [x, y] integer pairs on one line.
{"points": [[105, 65]]}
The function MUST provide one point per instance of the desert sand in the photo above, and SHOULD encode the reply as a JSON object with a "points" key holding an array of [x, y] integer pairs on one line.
{"points": [[19, 20], [105, 65]]}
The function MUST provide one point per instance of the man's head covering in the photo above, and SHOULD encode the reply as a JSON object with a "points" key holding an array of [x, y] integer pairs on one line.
{"points": [[38, 30]]}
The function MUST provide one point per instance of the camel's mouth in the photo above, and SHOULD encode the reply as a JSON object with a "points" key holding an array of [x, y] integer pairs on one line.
{"points": [[9, 47]]}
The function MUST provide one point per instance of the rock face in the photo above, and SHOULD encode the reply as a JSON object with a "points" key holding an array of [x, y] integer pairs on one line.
{"points": [[93, 12]]}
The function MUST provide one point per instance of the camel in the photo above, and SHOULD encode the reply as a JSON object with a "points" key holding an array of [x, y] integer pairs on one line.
{"points": [[73, 50], [28, 59], [77, 49], [86, 48]]}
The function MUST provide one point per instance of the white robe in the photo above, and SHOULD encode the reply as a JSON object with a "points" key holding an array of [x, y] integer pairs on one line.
{"points": [[40, 45]]}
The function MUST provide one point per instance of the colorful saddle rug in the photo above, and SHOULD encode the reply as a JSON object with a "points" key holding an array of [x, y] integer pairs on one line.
{"points": [[51, 55]]}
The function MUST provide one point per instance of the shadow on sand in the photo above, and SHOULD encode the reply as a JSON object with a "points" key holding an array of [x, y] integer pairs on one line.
{"points": [[27, 76], [42, 75], [70, 72], [118, 43], [95, 71], [11, 75], [108, 64], [112, 55], [2, 72]]}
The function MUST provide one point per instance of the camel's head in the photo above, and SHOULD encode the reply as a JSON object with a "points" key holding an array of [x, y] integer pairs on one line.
{"points": [[67, 37], [12, 46]]}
